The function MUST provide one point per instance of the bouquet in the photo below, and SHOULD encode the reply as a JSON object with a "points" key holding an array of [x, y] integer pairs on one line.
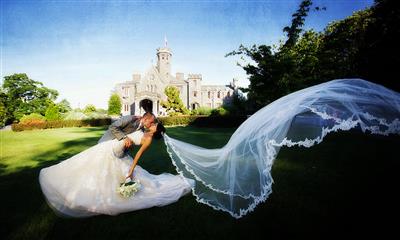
{"points": [[129, 188]]}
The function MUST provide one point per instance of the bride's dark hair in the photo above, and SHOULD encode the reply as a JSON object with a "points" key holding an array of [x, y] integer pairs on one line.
{"points": [[160, 130]]}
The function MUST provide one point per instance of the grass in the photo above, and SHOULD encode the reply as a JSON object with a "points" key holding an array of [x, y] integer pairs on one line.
{"points": [[345, 185]]}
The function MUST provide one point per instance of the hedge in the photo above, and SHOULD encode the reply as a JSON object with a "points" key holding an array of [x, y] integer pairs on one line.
{"points": [[198, 121], [204, 121], [60, 124]]}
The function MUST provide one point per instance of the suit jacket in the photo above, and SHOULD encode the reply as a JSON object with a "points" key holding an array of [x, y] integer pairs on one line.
{"points": [[120, 128]]}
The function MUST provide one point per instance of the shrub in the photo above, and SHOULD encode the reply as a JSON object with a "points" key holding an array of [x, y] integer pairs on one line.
{"points": [[177, 120], [32, 118], [60, 124], [219, 112], [96, 115], [89, 109], [202, 111], [75, 115], [203, 121]]}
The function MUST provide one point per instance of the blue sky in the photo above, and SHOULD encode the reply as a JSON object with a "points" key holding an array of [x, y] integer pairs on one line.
{"points": [[83, 48]]}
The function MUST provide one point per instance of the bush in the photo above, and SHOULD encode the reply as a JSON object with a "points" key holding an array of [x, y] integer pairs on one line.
{"points": [[32, 118], [75, 115], [177, 120], [203, 121], [60, 124], [202, 111], [89, 109], [96, 115], [219, 112]]}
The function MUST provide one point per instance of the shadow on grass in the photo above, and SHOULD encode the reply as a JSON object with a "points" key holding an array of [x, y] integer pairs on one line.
{"points": [[345, 185]]}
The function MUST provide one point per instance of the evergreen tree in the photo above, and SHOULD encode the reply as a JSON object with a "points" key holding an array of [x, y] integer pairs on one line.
{"points": [[174, 104], [114, 105]]}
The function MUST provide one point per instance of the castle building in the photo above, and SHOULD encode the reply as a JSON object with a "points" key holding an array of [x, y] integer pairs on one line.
{"points": [[145, 92]]}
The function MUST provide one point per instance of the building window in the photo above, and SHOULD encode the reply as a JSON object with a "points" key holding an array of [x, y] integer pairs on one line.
{"points": [[219, 94], [209, 94], [125, 91], [195, 94], [162, 58]]}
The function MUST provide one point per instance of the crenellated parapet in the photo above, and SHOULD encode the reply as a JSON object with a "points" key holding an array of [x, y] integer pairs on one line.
{"points": [[194, 76]]}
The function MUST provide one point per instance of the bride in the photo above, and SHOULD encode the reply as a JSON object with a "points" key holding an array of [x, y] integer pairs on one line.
{"points": [[86, 184], [234, 178]]}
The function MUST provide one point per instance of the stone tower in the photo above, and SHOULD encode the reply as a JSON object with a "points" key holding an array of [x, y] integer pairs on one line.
{"points": [[164, 57]]}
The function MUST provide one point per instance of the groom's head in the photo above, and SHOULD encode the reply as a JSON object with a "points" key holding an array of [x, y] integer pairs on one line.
{"points": [[148, 119]]}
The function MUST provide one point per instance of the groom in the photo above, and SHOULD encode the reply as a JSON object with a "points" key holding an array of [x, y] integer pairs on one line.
{"points": [[125, 125]]}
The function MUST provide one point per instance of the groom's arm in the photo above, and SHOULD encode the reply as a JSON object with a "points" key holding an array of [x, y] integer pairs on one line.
{"points": [[117, 126]]}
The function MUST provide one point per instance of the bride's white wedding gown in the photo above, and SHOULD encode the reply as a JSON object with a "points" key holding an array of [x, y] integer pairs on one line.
{"points": [[85, 184]]}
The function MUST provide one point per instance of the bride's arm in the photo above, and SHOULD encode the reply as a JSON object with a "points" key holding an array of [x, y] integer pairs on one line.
{"points": [[145, 145]]}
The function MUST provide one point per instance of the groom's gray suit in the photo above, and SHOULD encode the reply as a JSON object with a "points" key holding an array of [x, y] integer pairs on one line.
{"points": [[120, 128]]}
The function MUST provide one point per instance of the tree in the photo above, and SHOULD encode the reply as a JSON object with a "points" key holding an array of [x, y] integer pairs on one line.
{"points": [[238, 105], [355, 47], [269, 72], [3, 114], [114, 105], [298, 18], [64, 106], [89, 108], [174, 104], [3, 110], [52, 112], [378, 58], [24, 96]]}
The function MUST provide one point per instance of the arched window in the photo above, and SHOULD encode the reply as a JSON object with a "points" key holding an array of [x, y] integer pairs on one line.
{"points": [[209, 94], [219, 94]]}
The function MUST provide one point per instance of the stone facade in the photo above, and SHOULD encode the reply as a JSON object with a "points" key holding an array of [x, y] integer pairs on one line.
{"points": [[145, 92]]}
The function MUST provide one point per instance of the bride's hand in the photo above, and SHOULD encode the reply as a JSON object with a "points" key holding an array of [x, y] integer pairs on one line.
{"points": [[128, 143]]}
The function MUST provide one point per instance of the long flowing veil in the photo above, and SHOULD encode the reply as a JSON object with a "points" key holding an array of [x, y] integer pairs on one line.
{"points": [[237, 177]]}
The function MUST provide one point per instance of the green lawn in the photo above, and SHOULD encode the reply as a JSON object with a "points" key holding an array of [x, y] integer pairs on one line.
{"points": [[343, 186]]}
